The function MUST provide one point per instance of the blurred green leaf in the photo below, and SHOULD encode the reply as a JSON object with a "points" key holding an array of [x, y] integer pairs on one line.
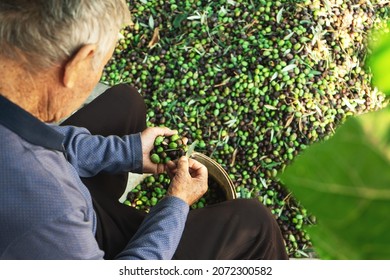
{"points": [[345, 183], [379, 59]]}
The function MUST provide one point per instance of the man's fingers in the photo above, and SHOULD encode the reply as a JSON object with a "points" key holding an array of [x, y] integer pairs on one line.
{"points": [[160, 168], [197, 169], [157, 131], [170, 168], [196, 165], [185, 165], [171, 165], [166, 131], [182, 164]]}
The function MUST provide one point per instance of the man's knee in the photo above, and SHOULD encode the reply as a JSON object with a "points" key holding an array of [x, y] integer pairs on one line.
{"points": [[255, 214], [129, 95]]}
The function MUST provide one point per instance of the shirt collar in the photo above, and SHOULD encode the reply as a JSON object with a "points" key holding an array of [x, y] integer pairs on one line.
{"points": [[28, 127]]}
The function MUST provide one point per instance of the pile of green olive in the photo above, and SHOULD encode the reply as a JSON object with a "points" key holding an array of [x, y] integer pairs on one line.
{"points": [[255, 82]]}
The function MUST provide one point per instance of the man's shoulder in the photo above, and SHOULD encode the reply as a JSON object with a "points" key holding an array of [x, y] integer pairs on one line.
{"points": [[8, 139], [20, 159], [36, 182], [37, 187]]}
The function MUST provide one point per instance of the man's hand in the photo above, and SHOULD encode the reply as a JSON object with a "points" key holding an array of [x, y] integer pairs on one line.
{"points": [[189, 179], [147, 137]]}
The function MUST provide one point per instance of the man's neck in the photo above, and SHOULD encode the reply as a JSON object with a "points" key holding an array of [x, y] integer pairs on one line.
{"points": [[24, 89]]}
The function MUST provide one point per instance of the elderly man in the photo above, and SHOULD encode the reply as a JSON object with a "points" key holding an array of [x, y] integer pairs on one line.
{"points": [[59, 185]]}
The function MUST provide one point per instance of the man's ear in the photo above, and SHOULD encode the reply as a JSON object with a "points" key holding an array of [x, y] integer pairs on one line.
{"points": [[80, 61]]}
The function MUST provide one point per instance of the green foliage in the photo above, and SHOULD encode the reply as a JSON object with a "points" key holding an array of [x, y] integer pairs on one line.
{"points": [[345, 182], [379, 60]]}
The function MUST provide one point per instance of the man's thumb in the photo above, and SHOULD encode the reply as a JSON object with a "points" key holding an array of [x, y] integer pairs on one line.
{"points": [[182, 164]]}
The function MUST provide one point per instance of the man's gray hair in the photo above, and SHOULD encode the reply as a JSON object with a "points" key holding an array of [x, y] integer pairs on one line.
{"points": [[47, 32]]}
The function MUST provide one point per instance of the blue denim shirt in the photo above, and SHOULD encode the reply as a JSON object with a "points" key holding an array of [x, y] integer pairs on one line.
{"points": [[45, 210]]}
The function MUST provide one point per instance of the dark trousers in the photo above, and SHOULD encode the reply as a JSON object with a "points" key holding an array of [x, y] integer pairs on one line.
{"points": [[236, 229]]}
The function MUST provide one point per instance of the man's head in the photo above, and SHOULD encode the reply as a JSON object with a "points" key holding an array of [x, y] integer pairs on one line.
{"points": [[47, 32], [69, 35]]}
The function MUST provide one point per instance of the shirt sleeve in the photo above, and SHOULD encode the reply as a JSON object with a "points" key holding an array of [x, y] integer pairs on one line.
{"points": [[160, 233], [68, 237], [91, 154], [156, 239]]}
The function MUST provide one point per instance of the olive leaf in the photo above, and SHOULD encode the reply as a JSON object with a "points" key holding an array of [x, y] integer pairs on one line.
{"points": [[179, 19], [345, 183]]}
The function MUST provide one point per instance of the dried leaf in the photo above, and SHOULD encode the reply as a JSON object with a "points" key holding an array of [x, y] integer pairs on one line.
{"points": [[319, 110], [191, 102], [151, 22], [289, 67], [360, 101], [286, 52], [288, 36], [289, 121], [155, 38], [300, 125], [196, 17], [264, 183], [274, 76], [279, 15], [225, 82], [232, 2], [234, 158], [348, 104], [270, 107], [230, 123]]}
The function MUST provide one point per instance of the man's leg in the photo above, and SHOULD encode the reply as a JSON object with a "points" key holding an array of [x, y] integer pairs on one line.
{"points": [[236, 229], [119, 111]]}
